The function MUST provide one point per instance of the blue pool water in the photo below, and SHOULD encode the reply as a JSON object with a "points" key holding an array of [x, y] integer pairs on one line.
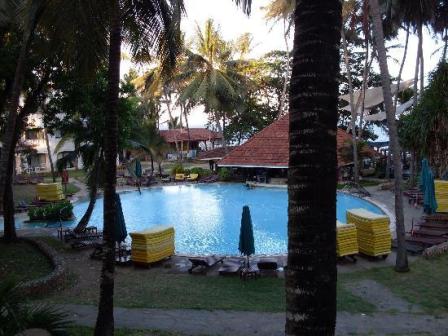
{"points": [[207, 217]]}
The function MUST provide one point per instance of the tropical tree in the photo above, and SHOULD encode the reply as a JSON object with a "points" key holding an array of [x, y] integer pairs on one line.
{"points": [[311, 273], [401, 264], [147, 26], [283, 10], [148, 140], [210, 77], [83, 122], [424, 130]]}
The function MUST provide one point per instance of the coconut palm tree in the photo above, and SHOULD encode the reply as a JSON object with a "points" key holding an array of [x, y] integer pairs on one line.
{"points": [[282, 10], [311, 272], [210, 76], [401, 264], [146, 26]]}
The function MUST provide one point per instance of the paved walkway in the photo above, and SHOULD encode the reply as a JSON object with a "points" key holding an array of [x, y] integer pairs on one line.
{"points": [[202, 322]]}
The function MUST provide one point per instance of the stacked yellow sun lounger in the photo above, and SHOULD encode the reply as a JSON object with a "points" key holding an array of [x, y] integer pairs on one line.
{"points": [[49, 192], [374, 238], [153, 244], [346, 239], [441, 190]]}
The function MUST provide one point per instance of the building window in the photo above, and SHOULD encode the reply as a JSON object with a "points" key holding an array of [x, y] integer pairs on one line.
{"points": [[34, 134]]}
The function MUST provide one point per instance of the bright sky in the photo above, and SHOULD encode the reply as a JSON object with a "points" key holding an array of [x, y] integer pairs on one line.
{"points": [[269, 37]]}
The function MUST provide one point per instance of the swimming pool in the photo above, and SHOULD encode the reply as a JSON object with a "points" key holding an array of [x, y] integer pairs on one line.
{"points": [[207, 217]]}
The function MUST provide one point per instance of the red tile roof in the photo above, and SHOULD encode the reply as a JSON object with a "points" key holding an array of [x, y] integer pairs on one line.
{"points": [[196, 134], [217, 153], [269, 148]]}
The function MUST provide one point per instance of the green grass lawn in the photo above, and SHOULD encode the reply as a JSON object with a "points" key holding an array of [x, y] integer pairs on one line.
{"points": [[426, 284], [22, 262], [169, 291]]}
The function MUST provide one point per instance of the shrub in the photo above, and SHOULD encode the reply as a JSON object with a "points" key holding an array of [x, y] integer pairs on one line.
{"points": [[53, 211], [187, 171], [200, 171], [177, 169], [224, 174]]}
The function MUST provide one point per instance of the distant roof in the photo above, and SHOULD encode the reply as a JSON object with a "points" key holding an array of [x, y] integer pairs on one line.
{"points": [[269, 148], [196, 134], [214, 154]]}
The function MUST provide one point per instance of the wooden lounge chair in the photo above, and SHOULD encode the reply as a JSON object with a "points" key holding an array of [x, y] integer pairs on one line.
{"points": [[90, 233], [204, 262], [231, 266], [268, 264], [192, 177]]}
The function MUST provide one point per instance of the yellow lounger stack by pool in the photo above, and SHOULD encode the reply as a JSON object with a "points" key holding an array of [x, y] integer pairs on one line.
{"points": [[153, 244], [441, 190], [374, 238], [346, 239], [49, 192]]}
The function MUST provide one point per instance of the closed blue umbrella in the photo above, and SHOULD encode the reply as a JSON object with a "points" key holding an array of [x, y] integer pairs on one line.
{"points": [[138, 168], [427, 187], [246, 244], [120, 231]]}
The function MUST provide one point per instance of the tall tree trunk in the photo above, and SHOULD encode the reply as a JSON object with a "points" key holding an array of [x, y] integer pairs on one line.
{"points": [[82, 224], [422, 58], [170, 115], [401, 264], [417, 67], [184, 108], [311, 274], [12, 107], [288, 66], [405, 53], [105, 319], [47, 143], [9, 226], [365, 76], [353, 111]]}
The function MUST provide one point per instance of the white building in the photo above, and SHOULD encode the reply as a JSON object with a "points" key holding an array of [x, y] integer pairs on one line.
{"points": [[36, 160]]}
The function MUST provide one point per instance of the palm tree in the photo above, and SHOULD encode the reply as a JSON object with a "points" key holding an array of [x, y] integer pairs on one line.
{"points": [[283, 10], [31, 15], [210, 76], [88, 146], [311, 273], [148, 139], [7, 154], [149, 25], [401, 264]]}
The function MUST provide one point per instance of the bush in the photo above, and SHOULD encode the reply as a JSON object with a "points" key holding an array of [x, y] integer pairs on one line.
{"points": [[200, 171], [224, 174], [186, 171], [53, 211], [177, 169]]}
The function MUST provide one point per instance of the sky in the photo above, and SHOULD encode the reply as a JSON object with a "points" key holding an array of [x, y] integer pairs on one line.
{"points": [[269, 36]]}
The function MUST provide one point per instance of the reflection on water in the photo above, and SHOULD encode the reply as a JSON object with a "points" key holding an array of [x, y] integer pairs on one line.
{"points": [[207, 217]]}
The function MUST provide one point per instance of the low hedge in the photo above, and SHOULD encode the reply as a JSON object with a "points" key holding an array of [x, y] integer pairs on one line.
{"points": [[54, 211]]}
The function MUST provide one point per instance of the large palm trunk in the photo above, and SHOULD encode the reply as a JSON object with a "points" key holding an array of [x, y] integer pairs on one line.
{"points": [[401, 264], [50, 158], [82, 224], [281, 108], [353, 110], [10, 233], [311, 274], [12, 107], [105, 319]]}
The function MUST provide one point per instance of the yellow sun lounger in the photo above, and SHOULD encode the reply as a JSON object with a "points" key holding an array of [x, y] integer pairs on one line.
{"points": [[179, 177], [192, 177]]}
